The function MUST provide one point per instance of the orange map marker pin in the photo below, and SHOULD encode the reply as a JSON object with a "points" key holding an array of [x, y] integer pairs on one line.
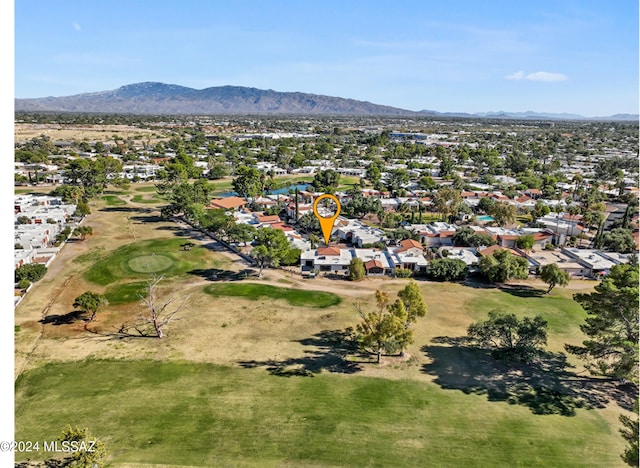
{"points": [[326, 223]]}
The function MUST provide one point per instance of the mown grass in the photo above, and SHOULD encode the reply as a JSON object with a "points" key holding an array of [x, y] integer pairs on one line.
{"points": [[561, 312], [115, 266], [144, 199], [295, 297], [126, 293], [113, 200], [206, 415]]}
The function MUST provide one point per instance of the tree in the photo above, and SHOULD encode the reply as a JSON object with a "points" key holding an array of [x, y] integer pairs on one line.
{"points": [[217, 171], [159, 311], [242, 233], [186, 198], [84, 231], [374, 173], [481, 239], [502, 265], [486, 204], [31, 271], [91, 453], [413, 303], [396, 178], [631, 435], [540, 209], [325, 181], [509, 337], [447, 201], [553, 276], [447, 269], [292, 257], [23, 219], [271, 246], [461, 237], [247, 182], [216, 221], [611, 325], [89, 302], [82, 209], [427, 183], [503, 213], [383, 330], [619, 240], [356, 270], [525, 242]]}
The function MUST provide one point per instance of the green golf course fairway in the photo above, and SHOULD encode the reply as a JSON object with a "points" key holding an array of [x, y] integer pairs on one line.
{"points": [[295, 297], [206, 415], [149, 263], [141, 259]]}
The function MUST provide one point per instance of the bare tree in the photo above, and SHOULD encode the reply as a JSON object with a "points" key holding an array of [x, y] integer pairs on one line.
{"points": [[159, 311]]}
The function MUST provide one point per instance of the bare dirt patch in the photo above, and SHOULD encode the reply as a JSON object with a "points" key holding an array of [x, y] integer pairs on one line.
{"points": [[69, 132]]}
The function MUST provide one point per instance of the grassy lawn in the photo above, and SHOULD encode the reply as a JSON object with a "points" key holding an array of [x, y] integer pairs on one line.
{"points": [[143, 199], [139, 260], [207, 415], [113, 200], [562, 313], [294, 297], [125, 293]]}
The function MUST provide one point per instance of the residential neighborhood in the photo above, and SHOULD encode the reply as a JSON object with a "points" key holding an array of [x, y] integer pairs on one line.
{"points": [[193, 244]]}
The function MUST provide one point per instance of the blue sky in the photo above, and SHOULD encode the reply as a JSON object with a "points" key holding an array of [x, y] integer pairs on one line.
{"points": [[554, 56]]}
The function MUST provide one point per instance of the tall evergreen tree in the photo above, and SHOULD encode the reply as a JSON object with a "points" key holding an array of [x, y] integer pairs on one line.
{"points": [[612, 325]]}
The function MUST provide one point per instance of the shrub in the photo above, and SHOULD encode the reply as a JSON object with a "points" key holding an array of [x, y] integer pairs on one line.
{"points": [[403, 273], [24, 283], [448, 269], [356, 270], [31, 271]]}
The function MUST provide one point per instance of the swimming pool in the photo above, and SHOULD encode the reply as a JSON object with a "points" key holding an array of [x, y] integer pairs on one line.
{"points": [[484, 218]]}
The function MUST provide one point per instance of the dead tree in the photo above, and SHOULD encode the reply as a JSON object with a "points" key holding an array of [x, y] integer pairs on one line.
{"points": [[159, 311]]}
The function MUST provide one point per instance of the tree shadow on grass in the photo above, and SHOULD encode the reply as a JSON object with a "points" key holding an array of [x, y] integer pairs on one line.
{"points": [[329, 351], [523, 290], [148, 219], [547, 386], [125, 209], [216, 274], [64, 319], [478, 283]]}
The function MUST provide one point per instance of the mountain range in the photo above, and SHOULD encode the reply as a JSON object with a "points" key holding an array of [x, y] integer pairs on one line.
{"points": [[160, 98]]}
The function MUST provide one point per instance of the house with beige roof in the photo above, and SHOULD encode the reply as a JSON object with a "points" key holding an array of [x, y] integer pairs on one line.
{"points": [[227, 203]]}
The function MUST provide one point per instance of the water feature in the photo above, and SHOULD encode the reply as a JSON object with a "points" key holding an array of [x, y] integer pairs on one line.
{"points": [[281, 191]]}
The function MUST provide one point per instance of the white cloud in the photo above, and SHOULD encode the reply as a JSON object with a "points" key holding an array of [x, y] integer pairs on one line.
{"points": [[537, 76], [76, 26], [546, 76], [519, 75]]}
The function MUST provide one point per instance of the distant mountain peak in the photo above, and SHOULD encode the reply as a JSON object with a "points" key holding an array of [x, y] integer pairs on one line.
{"points": [[160, 98], [151, 97]]}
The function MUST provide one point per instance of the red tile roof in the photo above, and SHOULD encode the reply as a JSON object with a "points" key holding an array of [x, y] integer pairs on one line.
{"points": [[491, 250], [409, 244], [328, 251], [373, 264], [268, 219], [227, 203]]}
